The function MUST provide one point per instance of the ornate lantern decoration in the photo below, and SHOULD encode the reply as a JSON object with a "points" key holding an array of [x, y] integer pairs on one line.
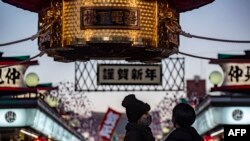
{"points": [[133, 30]]}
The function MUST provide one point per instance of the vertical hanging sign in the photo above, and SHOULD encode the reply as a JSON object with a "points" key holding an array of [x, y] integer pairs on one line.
{"points": [[109, 124]]}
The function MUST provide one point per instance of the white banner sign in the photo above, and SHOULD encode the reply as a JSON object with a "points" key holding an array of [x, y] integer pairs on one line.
{"points": [[114, 74], [236, 73]]}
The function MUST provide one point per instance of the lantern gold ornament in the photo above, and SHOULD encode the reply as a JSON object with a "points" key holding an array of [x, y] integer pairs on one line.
{"points": [[133, 30]]}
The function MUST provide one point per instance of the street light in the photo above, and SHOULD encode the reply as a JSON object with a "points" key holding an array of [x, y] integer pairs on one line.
{"points": [[215, 78], [32, 79], [52, 101]]}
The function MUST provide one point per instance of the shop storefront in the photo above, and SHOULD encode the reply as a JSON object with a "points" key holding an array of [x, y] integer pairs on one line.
{"points": [[217, 111], [32, 119], [24, 114]]}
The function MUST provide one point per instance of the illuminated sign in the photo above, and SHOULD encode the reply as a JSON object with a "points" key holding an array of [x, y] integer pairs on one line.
{"points": [[112, 74], [99, 17], [15, 117], [37, 120], [215, 116], [236, 73]]}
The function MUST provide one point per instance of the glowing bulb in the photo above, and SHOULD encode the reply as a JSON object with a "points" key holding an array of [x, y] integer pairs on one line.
{"points": [[215, 78], [32, 79]]}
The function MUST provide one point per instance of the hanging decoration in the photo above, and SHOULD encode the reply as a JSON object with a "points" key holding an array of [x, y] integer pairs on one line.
{"points": [[132, 30]]}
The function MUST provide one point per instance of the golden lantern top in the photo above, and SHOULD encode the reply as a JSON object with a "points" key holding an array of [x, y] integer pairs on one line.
{"points": [[38, 5], [133, 30]]}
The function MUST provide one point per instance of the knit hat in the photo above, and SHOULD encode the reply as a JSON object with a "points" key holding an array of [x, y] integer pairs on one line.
{"points": [[134, 107]]}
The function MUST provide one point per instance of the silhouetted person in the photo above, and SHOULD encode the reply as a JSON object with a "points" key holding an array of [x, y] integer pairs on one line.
{"points": [[139, 120], [183, 117]]}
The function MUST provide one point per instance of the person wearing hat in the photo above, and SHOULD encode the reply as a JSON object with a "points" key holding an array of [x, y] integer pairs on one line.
{"points": [[183, 117], [139, 120]]}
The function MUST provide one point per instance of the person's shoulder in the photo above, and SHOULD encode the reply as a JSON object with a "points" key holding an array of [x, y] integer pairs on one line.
{"points": [[133, 135], [179, 134], [170, 136]]}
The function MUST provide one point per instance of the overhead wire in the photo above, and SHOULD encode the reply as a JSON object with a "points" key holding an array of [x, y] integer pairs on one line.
{"points": [[195, 56], [23, 62], [181, 32], [188, 35], [32, 38]]}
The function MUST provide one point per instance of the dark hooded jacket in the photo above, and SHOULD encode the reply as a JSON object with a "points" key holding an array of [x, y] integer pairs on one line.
{"points": [[135, 132], [184, 134]]}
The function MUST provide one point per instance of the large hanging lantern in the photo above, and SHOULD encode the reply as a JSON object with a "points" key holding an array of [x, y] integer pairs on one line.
{"points": [[133, 30]]}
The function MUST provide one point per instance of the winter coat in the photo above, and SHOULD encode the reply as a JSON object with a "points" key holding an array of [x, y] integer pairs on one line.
{"points": [[184, 134], [135, 132]]}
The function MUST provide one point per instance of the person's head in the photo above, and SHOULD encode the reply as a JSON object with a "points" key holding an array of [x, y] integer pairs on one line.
{"points": [[136, 110], [183, 115]]}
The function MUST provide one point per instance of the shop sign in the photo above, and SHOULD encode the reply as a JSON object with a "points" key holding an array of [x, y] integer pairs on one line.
{"points": [[12, 76], [48, 126], [112, 74], [10, 116], [215, 116], [109, 124], [237, 114], [37, 120], [205, 121], [103, 17], [14, 117], [236, 73]]}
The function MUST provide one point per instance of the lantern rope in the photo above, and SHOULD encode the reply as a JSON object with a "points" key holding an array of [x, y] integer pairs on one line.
{"points": [[194, 56], [33, 37], [188, 35], [24, 61]]}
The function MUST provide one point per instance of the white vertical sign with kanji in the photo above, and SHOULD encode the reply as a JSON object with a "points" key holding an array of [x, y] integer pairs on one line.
{"points": [[109, 124], [236, 73], [12, 76]]}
